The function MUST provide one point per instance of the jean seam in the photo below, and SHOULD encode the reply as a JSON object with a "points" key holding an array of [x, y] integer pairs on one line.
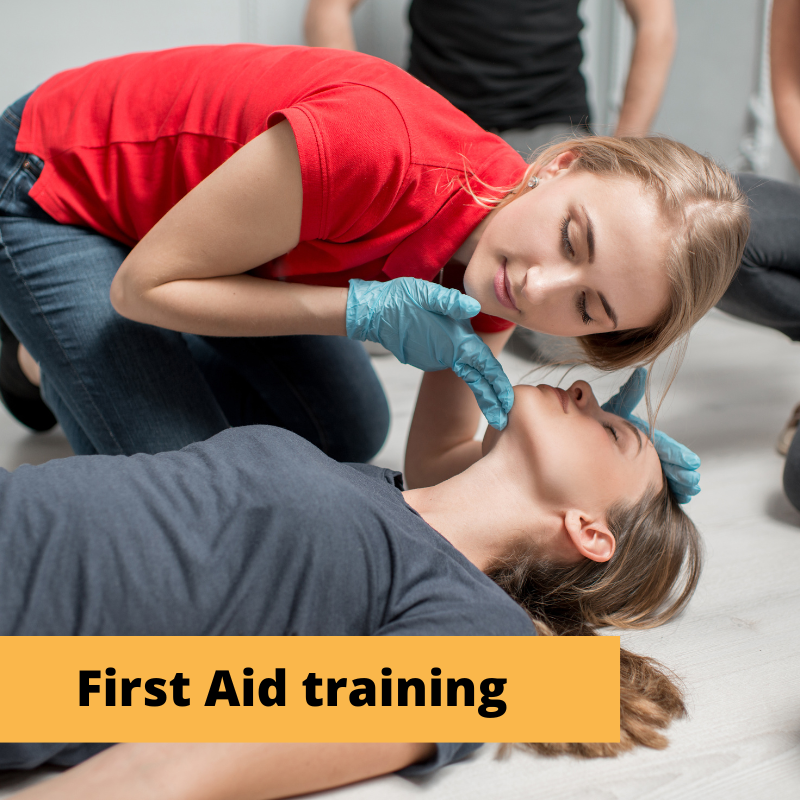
{"points": [[67, 359], [14, 173], [10, 118]]}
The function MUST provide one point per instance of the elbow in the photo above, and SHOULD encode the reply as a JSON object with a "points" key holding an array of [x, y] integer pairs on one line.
{"points": [[118, 296], [124, 293]]}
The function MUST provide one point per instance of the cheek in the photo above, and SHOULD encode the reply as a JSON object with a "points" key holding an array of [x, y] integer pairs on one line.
{"points": [[597, 469]]}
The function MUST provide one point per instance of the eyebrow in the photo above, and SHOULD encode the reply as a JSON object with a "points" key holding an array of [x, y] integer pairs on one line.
{"points": [[589, 234], [637, 432], [612, 315]]}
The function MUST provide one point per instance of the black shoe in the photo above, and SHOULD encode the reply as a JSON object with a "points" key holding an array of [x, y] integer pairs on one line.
{"points": [[19, 395]]}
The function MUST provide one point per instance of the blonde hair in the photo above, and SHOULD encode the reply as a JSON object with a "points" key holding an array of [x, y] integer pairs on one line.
{"points": [[712, 224], [649, 579]]}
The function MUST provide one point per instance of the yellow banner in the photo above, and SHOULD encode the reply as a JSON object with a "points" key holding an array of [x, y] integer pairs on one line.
{"points": [[309, 689]]}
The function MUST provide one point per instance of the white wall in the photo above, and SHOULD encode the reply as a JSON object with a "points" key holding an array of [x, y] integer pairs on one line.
{"points": [[42, 37]]}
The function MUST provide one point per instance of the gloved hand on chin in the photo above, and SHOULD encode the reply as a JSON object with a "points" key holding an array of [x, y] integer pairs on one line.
{"points": [[426, 325]]}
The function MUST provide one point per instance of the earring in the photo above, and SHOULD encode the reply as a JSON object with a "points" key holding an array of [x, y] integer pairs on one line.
{"points": [[533, 182]]}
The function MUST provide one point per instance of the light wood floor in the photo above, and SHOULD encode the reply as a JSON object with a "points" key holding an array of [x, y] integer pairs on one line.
{"points": [[737, 648]]}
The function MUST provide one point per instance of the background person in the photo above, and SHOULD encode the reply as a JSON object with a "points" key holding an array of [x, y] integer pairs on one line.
{"points": [[766, 289], [256, 532], [514, 65], [785, 73]]}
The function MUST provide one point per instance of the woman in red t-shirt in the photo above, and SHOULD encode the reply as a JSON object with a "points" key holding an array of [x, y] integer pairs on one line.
{"points": [[254, 184]]}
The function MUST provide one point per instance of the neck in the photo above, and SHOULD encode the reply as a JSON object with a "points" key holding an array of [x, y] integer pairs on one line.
{"points": [[480, 512]]}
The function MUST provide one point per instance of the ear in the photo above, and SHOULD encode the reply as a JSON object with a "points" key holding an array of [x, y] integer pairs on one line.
{"points": [[590, 537], [562, 162]]}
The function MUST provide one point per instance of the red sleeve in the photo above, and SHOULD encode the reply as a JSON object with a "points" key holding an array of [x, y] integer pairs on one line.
{"points": [[484, 323], [354, 157]]}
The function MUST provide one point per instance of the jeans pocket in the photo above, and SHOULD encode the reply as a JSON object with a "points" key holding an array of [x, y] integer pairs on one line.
{"points": [[32, 165]]}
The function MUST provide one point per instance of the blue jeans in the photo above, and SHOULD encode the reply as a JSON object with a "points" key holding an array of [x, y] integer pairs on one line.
{"points": [[120, 387]]}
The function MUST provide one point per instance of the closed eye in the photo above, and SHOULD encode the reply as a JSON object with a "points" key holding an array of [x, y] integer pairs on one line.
{"points": [[580, 304], [565, 242], [612, 430]]}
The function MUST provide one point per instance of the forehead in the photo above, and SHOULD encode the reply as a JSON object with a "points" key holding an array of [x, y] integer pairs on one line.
{"points": [[619, 201], [631, 237]]}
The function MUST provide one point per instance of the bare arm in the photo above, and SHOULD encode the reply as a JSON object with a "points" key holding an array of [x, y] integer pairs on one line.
{"points": [[656, 36], [446, 417], [187, 273], [224, 771], [785, 69], [328, 24]]}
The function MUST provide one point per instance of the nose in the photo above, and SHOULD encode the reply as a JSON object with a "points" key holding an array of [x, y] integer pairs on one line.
{"points": [[582, 395], [544, 284]]}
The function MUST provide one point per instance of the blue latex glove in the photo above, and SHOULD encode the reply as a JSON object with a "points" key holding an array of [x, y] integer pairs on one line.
{"points": [[680, 464], [425, 325]]}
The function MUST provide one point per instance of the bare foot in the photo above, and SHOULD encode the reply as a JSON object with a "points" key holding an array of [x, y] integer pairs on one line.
{"points": [[28, 366]]}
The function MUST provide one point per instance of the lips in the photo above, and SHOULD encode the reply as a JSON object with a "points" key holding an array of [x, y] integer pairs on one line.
{"points": [[562, 396], [502, 288]]}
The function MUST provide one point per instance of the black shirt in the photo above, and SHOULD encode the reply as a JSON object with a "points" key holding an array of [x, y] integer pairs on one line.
{"points": [[505, 63]]}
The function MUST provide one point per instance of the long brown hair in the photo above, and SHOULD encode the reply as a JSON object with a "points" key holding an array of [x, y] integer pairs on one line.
{"points": [[649, 579], [711, 222]]}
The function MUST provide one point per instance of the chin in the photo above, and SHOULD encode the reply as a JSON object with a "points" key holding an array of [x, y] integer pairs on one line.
{"points": [[533, 407], [469, 284]]}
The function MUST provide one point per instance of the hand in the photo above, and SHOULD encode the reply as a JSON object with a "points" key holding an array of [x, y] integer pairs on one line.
{"points": [[679, 463], [425, 325]]}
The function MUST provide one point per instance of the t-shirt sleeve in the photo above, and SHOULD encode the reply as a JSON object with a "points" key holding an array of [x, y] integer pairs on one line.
{"points": [[354, 153], [445, 754]]}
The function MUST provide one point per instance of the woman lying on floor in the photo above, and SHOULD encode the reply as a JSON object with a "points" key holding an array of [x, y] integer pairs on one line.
{"points": [[567, 509]]}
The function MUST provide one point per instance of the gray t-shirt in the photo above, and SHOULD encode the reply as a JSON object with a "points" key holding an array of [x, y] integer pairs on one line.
{"points": [[254, 532]]}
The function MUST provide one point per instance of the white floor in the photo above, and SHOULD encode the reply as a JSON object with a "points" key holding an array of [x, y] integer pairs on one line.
{"points": [[737, 648]]}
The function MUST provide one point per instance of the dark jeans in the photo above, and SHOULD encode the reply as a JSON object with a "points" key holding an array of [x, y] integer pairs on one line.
{"points": [[766, 289], [120, 387]]}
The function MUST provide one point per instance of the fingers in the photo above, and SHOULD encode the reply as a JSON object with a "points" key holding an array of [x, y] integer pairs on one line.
{"points": [[474, 352], [488, 401], [629, 396], [680, 466], [686, 480], [484, 375], [673, 452], [447, 302]]}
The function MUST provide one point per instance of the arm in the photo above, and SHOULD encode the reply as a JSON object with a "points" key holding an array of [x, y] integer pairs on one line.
{"points": [[785, 68], [446, 417], [656, 36], [187, 273], [224, 771], [327, 24]]}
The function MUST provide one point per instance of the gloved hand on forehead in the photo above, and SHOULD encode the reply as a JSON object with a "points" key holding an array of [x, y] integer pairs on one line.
{"points": [[427, 326], [679, 463]]}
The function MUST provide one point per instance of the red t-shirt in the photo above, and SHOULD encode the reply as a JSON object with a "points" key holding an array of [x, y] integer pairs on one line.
{"points": [[383, 157]]}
